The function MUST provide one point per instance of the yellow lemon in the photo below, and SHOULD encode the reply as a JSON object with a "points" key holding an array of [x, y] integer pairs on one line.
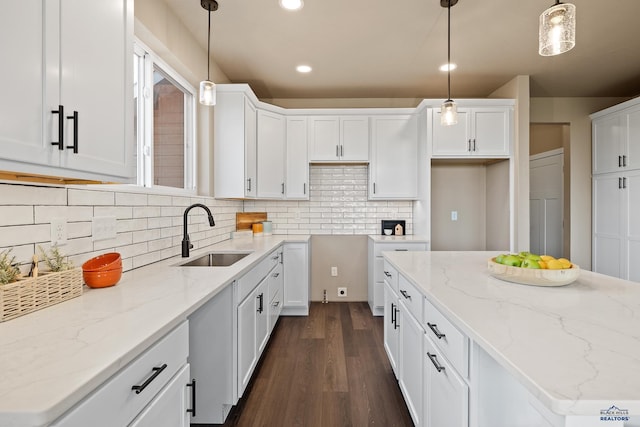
{"points": [[546, 257], [542, 264], [554, 264], [565, 262]]}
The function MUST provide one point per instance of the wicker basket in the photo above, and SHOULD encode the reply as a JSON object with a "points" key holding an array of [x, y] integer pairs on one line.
{"points": [[24, 296]]}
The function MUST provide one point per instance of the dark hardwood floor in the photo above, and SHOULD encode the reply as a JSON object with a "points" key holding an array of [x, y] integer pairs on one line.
{"points": [[326, 370]]}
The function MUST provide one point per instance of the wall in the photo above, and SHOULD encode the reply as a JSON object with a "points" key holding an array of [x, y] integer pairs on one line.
{"points": [[149, 225], [575, 112], [349, 254], [498, 206]]}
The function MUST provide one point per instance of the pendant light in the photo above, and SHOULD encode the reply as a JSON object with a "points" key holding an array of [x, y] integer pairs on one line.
{"points": [[449, 109], [557, 32], [207, 87]]}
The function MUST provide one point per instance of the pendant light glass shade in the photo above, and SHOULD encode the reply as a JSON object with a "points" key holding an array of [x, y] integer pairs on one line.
{"points": [[207, 93], [557, 32], [448, 113]]}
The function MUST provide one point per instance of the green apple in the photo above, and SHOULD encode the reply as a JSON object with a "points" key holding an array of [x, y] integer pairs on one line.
{"points": [[530, 263], [524, 254], [500, 258], [533, 257], [512, 260]]}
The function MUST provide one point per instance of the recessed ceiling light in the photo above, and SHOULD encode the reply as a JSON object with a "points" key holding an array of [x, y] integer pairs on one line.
{"points": [[448, 67], [291, 4], [303, 69]]}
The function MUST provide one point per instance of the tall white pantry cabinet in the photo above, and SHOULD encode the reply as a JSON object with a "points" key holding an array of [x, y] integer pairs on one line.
{"points": [[616, 190]]}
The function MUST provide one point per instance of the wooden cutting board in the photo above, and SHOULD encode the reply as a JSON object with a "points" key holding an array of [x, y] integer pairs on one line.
{"points": [[244, 220]]}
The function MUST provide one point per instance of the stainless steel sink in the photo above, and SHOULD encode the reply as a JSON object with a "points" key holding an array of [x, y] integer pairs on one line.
{"points": [[216, 259]]}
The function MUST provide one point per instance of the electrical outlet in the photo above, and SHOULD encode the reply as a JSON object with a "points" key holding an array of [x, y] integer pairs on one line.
{"points": [[342, 292], [58, 231], [334, 271], [454, 215]]}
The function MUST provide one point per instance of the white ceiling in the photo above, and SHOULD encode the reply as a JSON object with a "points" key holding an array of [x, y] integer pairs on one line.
{"points": [[392, 49]]}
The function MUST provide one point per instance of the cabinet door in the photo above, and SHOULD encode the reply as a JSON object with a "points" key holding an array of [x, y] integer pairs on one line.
{"points": [[354, 139], [296, 278], [607, 134], [169, 407], [96, 81], [262, 316], [446, 394], [324, 138], [451, 140], [391, 331], [297, 166], [632, 161], [491, 132], [250, 150], [411, 364], [631, 218], [22, 134], [394, 158], [271, 143], [247, 350], [607, 224]]}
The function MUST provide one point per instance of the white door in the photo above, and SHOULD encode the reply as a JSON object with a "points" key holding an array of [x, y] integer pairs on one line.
{"points": [[631, 185], [297, 165], [608, 199], [391, 331], [607, 134], [262, 316], [411, 365], [324, 138], [250, 150], [271, 141], [546, 201], [354, 139], [451, 140], [491, 135], [247, 351], [296, 275]]}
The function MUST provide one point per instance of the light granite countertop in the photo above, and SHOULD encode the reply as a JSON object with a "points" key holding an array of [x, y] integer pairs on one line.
{"points": [[52, 358], [576, 347]]}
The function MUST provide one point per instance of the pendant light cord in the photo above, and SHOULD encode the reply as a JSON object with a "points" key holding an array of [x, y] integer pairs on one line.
{"points": [[449, 50], [209, 44]]}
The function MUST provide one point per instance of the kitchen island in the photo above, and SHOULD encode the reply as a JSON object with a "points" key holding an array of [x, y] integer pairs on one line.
{"points": [[53, 358], [571, 354]]}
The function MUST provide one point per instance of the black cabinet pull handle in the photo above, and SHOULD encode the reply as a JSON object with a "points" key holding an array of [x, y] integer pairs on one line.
{"points": [[60, 113], [192, 384], [342, 150], [401, 250], [75, 132], [374, 188], [619, 161], [435, 330], [474, 144], [304, 188], [281, 257], [260, 302], [396, 325], [282, 187], [337, 152], [386, 273], [624, 160], [468, 145], [156, 371], [620, 183], [393, 313], [248, 184], [276, 274], [434, 360], [405, 294], [624, 182]]}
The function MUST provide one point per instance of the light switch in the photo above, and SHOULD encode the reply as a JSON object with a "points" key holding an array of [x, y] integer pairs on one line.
{"points": [[454, 215], [103, 227]]}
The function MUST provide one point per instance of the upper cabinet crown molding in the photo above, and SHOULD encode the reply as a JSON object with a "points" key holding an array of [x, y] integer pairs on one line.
{"points": [[80, 55]]}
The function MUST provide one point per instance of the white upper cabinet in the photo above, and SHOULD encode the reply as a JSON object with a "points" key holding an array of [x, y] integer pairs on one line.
{"points": [[338, 138], [393, 170], [70, 84], [480, 132], [271, 155], [616, 141], [234, 146], [297, 165]]}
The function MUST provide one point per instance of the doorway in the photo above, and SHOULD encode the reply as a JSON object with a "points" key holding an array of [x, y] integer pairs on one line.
{"points": [[546, 201]]}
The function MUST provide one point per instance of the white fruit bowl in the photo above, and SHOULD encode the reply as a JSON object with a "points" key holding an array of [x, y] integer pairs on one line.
{"points": [[534, 277]]}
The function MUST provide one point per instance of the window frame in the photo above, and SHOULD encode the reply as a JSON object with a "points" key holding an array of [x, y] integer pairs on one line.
{"points": [[148, 63]]}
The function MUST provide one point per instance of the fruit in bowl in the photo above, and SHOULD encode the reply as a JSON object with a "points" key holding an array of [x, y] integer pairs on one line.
{"points": [[532, 269]]}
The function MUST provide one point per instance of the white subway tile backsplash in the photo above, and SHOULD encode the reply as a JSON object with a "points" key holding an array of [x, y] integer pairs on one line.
{"points": [[14, 235], [120, 212], [131, 199], [15, 215], [27, 194], [78, 197]]}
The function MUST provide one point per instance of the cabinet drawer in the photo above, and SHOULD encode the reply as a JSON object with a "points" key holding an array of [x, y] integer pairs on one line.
{"points": [[115, 403], [411, 297], [400, 246], [250, 280], [390, 275], [453, 344]]}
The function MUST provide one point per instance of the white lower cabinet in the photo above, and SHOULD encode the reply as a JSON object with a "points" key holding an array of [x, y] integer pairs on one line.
{"points": [[296, 279], [252, 333], [211, 341], [410, 361], [171, 407], [391, 331], [276, 292], [153, 384], [446, 395]]}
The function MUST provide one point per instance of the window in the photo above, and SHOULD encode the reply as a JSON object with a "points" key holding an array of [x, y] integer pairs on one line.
{"points": [[164, 105]]}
